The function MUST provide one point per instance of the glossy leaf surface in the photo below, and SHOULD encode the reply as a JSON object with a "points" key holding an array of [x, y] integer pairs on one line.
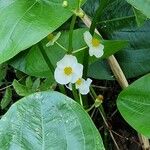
{"points": [[134, 105], [48, 120], [25, 22]]}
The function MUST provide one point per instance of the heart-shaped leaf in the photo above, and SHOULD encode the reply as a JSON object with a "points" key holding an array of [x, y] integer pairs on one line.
{"points": [[48, 120], [134, 105]]}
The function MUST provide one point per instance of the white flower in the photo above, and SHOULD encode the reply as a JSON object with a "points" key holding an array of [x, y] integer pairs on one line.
{"points": [[95, 47], [52, 39], [68, 70], [83, 85]]}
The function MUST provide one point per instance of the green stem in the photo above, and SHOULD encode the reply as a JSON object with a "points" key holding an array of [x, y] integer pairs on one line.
{"points": [[100, 107], [103, 114], [97, 15], [47, 60], [85, 63], [46, 57], [81, 101], [62, 89], [75, 94], [78, 50], [70, 46], [61, 46], [78, 6]]}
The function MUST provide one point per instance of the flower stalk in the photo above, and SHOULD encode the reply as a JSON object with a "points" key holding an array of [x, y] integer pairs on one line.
{"points": [[70, 46]]}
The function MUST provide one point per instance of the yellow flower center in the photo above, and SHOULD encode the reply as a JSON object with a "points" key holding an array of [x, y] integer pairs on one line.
{"points": [[50, 37], [95, 42], [79, 81], [68, 71]]}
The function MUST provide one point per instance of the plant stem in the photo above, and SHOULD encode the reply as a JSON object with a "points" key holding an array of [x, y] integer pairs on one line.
{"points": [[78, 50], [103, 114], [75, 94], [62, 89], [85, 63], [61, 46], [70, 46], [48, 62], [92, 29], [81, 101], [97, 15]]}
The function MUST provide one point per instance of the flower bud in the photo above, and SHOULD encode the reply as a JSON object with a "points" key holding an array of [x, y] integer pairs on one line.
{"points": [[98, 100], [65, 4]]}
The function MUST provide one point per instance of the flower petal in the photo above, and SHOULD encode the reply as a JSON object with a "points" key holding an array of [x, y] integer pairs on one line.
{"points": [[87, 38], [85, 87], [78, 72], [60, 77], [99, 51], [88, 81], [67, 60], [96, 51], [91, 51], [82, 81]]}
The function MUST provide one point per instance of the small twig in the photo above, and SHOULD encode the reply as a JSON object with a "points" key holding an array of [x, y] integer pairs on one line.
{"points": [[101, 87], [11, 84], [110, 131], [123, 137]]}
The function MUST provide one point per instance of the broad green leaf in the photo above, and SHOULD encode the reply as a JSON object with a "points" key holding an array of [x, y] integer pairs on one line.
{"points": [[134, 105], [29, 82], [48, 120], [24, 23], [21, 90], [140, 18], [100, 70], [121, 24], [142, 5], [28, 63], [7, 98], [36, 84], [91, 6]]}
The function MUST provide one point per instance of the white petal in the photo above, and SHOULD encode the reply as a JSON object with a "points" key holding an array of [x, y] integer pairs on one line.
{"points": [[78, 86], [88, 81], [84, 90], [67, 60], [69, 86], [60, 77], [91, 51], [85, 87], [78, 72], [87, 38], [99, 51]]}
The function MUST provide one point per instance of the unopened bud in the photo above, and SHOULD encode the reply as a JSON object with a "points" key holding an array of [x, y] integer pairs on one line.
{"points": [[65, 4], [79, 13], [98, 100]]}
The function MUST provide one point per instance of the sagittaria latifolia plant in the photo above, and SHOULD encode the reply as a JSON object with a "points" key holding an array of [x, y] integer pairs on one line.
{"points": [[57, 51]]}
